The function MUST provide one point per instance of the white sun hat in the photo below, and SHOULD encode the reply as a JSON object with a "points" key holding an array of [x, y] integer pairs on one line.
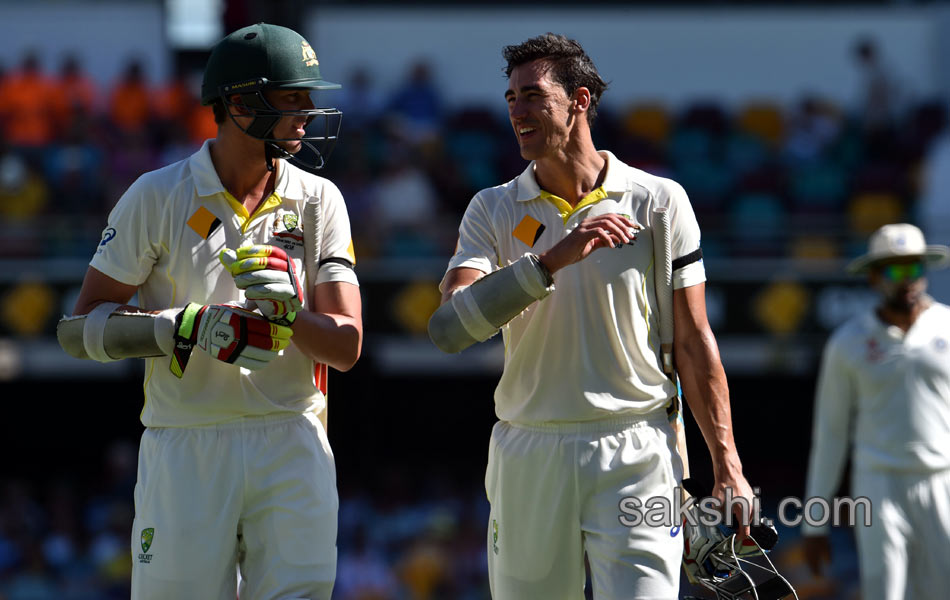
{"points": [[899, 240]]}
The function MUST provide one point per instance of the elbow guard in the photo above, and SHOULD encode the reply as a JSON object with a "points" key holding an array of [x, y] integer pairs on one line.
{"points": [[104, 335], [476, 312]]}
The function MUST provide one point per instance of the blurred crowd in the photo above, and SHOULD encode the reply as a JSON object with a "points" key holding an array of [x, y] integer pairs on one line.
{"points": [[809, 180]]}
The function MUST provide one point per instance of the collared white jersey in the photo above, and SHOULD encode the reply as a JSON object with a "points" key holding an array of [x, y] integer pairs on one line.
{"points": [[889, 392], [164, 236], [590, 350]]}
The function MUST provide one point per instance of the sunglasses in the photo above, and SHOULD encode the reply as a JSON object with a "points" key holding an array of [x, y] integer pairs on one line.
{"points": [[903, 272]]}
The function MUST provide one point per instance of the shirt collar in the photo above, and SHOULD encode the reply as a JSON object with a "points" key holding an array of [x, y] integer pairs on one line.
{"points": [[207, 182], [614, 180]]}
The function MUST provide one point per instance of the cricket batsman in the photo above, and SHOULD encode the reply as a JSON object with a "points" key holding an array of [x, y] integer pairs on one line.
{"points": [[242, 265]]}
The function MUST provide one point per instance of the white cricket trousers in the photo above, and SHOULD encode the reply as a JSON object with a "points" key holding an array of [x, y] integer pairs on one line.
{"points": [[259, 493], [905, 553], [555, 492]]}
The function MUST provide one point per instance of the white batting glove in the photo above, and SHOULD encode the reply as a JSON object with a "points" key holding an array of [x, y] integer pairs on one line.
{"points": [[698, 541], [701, 541], [228, 333], [267, 276]]}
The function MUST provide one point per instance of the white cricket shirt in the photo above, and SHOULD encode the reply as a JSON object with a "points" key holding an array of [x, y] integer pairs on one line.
{"points": [[164, 236], [890, 392], [590, 350]]}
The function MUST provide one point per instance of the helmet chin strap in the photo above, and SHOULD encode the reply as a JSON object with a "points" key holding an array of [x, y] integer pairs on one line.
{"points": [[272, 152]]}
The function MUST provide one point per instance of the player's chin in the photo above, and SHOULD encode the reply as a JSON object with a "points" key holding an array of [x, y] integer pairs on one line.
{"points": [[293, 146]]}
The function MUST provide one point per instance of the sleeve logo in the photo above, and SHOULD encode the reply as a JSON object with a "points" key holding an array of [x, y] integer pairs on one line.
{"points": [[107, 236]]}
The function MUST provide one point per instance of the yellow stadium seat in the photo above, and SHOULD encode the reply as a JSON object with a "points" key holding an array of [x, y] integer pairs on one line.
{"points": [[871, 210], [764, 120], [650, 121]]}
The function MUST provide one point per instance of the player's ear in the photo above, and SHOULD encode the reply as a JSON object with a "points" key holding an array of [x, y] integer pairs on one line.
{"points": [[236, 106], [580, 103]]}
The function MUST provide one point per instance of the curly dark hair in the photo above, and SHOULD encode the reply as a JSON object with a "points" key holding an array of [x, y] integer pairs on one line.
{"points": [[571, 66]]}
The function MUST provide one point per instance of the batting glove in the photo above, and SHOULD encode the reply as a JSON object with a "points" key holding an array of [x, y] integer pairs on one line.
{"points": [[267, 276], [228, 333], [698, 541]]}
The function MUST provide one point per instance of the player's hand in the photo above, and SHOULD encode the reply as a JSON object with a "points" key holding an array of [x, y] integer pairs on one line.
{"points": [[817, 550], [603, 231], [228, 333], [267, 276], [741, 512]]}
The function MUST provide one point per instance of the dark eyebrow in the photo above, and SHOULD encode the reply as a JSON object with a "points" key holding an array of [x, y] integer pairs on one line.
{"points": [[524, 90]]}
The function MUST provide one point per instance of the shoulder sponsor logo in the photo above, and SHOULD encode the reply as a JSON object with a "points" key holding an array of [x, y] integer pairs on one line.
{"points": [[528, 231], [203, 222]]}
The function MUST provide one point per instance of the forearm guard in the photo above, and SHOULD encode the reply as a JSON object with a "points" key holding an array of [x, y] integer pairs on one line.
{"points": [[104, 335], [476, 312]]}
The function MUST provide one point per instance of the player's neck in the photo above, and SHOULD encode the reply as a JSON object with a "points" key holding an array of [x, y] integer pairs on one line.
{"points": [[242, 168], [573, 173]]}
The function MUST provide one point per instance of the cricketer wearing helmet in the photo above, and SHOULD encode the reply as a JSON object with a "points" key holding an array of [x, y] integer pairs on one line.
{"points": [[242, 265]]}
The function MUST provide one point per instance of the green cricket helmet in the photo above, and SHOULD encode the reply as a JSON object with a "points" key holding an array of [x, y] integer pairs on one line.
{"points": [[264, 57]]}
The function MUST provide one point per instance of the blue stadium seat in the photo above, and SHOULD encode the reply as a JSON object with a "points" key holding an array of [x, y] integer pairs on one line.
{"points": [[757, 225]]}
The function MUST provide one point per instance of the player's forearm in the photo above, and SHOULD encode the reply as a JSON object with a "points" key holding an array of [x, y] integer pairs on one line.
{"points": [[335, 340], [706, 390]]}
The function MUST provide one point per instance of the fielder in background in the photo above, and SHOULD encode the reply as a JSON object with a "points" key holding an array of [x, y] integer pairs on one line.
{"points": [[884, 387], [235, 469], [561, 260]]}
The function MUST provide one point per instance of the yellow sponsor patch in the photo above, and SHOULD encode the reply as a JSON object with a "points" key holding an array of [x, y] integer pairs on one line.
{"points": [[203, 222], [351, 252], [528, 230]]}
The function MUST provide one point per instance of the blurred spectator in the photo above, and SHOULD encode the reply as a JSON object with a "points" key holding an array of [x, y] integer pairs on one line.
{"points": [[28, 107], [933, 208], [814, 125], [76, 95], [880, 96], [130, 103], [404, 204], [34, 581], [363, 573], [181, 124], [201, 125], [135, 156], [23, 192], [416, 105], [75, 170], [359, 100]]}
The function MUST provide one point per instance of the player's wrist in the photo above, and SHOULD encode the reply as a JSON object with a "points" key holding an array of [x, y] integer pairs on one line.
{"points": [[549, 264], [543, 269]]}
